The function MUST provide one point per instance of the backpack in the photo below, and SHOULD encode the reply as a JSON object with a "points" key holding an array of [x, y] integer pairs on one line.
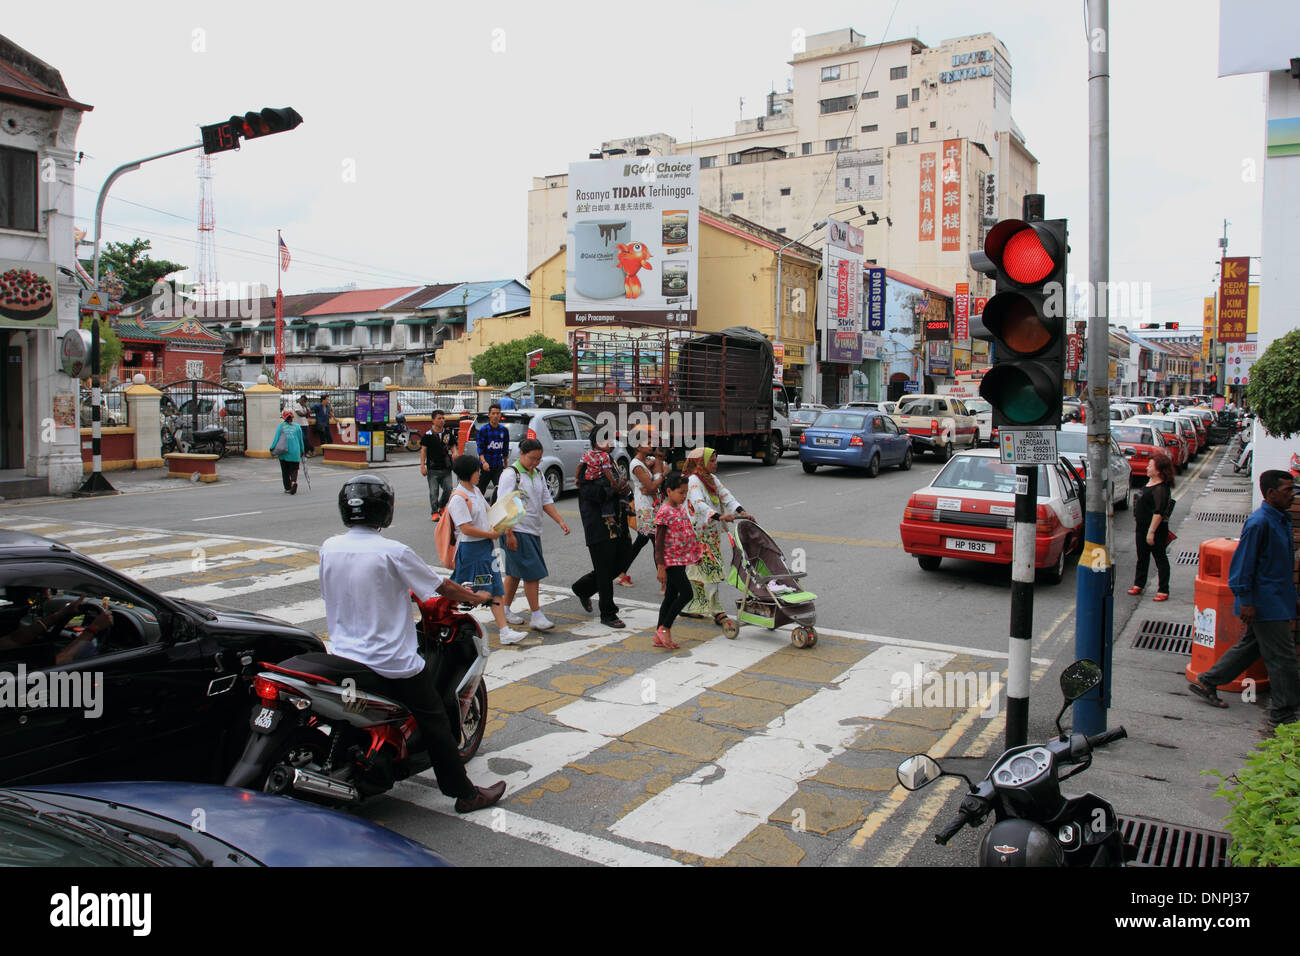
{"points": [[444, 535]]}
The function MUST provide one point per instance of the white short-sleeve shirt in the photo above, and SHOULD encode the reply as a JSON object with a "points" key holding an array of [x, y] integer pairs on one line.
{"points": [[472, 512]]}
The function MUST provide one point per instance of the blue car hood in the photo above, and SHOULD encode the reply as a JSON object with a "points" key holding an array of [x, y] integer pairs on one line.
{"points": [[276, 831]]}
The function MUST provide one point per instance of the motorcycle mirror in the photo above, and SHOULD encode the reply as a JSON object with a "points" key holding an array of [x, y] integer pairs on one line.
{"points": [[918, 770], [1079, 678]]}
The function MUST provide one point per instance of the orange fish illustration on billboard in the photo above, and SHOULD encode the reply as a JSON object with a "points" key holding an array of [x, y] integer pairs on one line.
{"points": [[632, 257]]}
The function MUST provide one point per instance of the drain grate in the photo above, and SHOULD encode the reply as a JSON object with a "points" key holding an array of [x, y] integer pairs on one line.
{"points": [[1163, 844], [1172, 637], [1225, 516], [1232, 491], [1188, 557]]}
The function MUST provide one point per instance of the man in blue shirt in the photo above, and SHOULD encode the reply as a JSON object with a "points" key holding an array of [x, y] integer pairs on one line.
{"points": [[1264, 597], [493, 442], [507, 403]]}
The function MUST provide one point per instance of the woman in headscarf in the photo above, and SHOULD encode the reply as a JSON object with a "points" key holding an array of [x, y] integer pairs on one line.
{"points": [[707, 497]]}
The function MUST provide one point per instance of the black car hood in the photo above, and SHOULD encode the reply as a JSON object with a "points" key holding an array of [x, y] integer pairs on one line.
{"points": [[233, 620]]}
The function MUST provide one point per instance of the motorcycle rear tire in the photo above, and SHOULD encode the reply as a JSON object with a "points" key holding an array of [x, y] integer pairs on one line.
{"points": [[473, 725], [303, 741]]}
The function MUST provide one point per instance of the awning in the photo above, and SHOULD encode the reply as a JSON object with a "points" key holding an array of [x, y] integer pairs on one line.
{"points": [[417, 320], [381, 322], [453, 320], [298, 324], [343, 324]]}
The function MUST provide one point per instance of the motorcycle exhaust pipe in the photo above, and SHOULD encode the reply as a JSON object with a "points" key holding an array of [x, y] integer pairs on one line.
{"points": [[322, 786]]}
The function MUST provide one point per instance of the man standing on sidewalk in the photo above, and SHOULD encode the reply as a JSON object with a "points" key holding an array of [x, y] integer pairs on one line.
{"points": [[493, 451], [1264, 597]]}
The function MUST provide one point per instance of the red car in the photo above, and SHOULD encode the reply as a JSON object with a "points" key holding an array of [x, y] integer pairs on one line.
{"points": [[1140, 442], [968, 512], [1178, 443]]}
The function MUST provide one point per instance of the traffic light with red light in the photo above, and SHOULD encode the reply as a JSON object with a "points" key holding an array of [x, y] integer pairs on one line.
{"points": [[1027, 321], [220, 137], [1171, 325]]}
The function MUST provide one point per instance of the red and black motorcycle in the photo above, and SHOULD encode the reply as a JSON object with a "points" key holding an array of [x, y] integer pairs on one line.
{"points": [[323, 727]]}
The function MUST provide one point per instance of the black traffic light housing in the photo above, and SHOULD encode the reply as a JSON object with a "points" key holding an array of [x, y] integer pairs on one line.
{"points": [[220, 137], [1026, 318]]}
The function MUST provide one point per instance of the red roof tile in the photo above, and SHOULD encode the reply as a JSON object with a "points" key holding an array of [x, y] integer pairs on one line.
{"points": [[362, 300]]}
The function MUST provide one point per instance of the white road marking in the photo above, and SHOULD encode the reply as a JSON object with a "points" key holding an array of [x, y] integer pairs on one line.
{"points": [[240, 514], [571, 842], [266, 582], [300, 613], [168, 569], [133, 554], [720, 804]]}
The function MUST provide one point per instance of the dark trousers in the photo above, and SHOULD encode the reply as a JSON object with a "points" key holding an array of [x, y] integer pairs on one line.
{"points": [[306, 438], [420, 695], [1156, 551], [1271, 640], [289, 474], [609, 559], [641, 541], [489, 476], [677, 595], [441, 485]]}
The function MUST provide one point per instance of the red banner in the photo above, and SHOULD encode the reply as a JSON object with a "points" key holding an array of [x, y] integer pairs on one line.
{"points": [[1234, 291], [1072, 352], [842, 290], [926, 202], [961, 304], [951, 223]]}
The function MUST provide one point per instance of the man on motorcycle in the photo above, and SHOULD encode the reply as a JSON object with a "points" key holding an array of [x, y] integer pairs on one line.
{"points": [[366, 581]]}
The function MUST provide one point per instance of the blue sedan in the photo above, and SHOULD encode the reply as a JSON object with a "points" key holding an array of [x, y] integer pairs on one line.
{"points": [[854, 439]]}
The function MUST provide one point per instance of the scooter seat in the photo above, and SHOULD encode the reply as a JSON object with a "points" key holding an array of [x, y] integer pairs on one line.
{"points": [[337, 669]]}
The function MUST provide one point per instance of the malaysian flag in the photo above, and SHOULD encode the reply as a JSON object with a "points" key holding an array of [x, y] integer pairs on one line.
{"points": [[284, 256]]}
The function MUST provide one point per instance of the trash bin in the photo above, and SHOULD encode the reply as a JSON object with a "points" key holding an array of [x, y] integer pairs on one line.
{"points": [[1217, 628]]}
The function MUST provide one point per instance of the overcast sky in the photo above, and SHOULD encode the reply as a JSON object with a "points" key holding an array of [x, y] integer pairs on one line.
{"points": [[425, 123]]}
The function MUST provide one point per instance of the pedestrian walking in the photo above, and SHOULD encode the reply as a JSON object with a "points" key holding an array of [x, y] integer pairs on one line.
{"points": [[286, 445], [676, 549], [524, 560], [1151, 513], [493, 441], [435, 464], [1264, 596], [476, 563], [647, 474], [707, 499], [604, 525], [302, 418]]}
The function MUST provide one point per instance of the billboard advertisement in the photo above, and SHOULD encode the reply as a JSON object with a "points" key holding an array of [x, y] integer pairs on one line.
{"points": [[1233, 293], [27, 295], [632, 255], [840, 304]]}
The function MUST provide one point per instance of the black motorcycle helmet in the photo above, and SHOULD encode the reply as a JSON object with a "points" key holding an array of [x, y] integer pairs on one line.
{"points": [[366, 500], [1013, 843]]}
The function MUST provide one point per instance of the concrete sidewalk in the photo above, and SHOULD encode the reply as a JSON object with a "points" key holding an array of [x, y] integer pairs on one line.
{"points": [[1172, 734]]}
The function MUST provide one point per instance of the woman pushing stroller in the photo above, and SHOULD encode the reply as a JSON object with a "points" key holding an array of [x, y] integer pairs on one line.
{"points": [[707, 498]]}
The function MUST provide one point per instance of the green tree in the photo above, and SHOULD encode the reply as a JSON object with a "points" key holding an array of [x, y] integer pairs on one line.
{"points": [[1274, 386], [505, 362], [110, 346], [131, 263]]}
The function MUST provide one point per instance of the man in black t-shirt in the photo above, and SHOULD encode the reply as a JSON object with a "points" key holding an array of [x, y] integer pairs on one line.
{"points": [[435, 464]]}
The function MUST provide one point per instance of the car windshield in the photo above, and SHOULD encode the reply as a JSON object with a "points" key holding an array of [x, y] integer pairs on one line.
{"points": [[978, 473], [1072, 442], [850, 420], [806, 416], [1139, 434], [977, 406]]}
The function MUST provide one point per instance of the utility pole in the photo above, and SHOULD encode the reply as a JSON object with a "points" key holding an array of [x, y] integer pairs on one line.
{"points": [[1094, 619]]}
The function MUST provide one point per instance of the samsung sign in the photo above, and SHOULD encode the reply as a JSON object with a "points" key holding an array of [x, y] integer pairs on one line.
{"points": [[969, 72]]}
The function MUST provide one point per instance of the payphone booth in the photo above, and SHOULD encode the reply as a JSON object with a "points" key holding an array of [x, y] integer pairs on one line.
{"points": [[372, 419]]}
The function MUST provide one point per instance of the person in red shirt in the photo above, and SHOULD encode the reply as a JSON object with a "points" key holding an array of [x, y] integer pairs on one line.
{"points": [[676, 548]]}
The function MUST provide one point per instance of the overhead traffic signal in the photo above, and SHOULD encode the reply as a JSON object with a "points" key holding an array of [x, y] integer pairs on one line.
{"points": [[220, 137], [1026, 319]]}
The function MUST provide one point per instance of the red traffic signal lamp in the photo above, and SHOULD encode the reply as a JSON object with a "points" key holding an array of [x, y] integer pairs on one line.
{"points": [[220, 137], [1026, 319]]}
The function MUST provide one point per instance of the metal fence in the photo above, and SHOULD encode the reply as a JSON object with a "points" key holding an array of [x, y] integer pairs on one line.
{"points": [[113, 408], [199, 404]]}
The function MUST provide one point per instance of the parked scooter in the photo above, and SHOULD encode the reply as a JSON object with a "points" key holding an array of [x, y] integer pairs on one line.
{"points": [[1036, 824], [321, 728], [396, 435]]}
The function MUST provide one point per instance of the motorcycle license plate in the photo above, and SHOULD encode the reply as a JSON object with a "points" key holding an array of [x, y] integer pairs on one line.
{"points": [[832, 442], [265, 720], [975, 547]]}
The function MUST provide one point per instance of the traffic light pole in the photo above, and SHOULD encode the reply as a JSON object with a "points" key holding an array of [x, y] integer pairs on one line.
{"points": [[1023, 544], [1096, 576]]}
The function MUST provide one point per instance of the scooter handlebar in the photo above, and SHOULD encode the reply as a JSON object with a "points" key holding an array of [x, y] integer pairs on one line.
{"points": [[1107, 737], [950, 831]]}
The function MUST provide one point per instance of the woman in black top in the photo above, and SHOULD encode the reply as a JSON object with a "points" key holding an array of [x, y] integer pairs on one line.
{"points": [[1151, 514]]}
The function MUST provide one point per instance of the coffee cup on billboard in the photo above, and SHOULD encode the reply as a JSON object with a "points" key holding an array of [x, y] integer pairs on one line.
{"points": [[596, 274], [676, 280]]}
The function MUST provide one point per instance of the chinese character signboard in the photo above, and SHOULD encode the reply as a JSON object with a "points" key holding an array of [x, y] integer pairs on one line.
{"points": [[962, 305], [927, 200], [840, 306], [1241, 356], [1207, 330], [1233, 292], [633, 242], [875, 300], [951, 223]]}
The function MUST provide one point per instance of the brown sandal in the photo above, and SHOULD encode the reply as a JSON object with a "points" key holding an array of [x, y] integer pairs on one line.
{"points": [[1207, 693]]}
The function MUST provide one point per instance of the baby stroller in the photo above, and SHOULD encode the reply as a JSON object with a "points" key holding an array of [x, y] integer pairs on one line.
{"points": [[770, 594]]}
